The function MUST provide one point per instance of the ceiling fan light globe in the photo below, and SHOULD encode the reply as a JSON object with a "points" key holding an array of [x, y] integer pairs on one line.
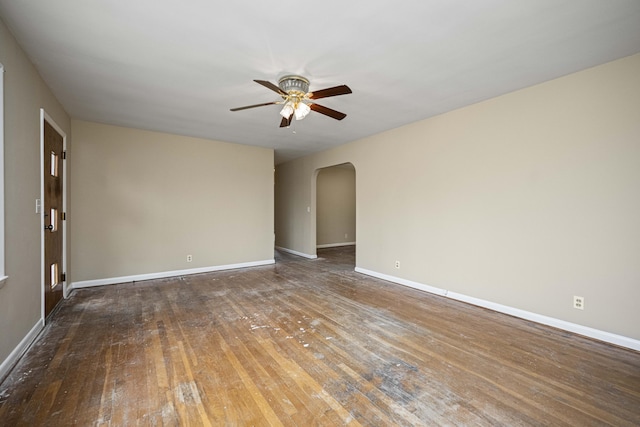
{"points": [[302, 111], [287, 110]]}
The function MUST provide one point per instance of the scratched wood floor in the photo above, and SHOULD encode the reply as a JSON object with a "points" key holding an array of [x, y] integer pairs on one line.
{"points": [[305, 343]]}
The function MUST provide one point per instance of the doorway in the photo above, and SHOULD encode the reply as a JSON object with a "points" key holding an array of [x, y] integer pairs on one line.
{"points": [[336, 207], [52, 208]]}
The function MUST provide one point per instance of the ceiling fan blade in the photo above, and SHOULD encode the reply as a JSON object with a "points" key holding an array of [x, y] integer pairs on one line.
{"points": [[332, 91], [328, 111], [271, 86], [286, 122], [253, 106]]}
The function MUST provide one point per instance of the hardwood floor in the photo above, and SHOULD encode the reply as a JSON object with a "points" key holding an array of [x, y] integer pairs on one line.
{"points": [[303, 343]]}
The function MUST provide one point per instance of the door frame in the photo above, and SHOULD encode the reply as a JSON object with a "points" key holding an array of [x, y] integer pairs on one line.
{"points": [[65, 291]]}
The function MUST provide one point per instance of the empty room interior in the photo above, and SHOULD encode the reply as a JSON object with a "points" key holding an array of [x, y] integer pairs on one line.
{"points": [[335, 213]]}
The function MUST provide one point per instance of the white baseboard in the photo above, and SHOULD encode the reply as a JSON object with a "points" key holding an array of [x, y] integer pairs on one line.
{"points": [[21, 348], [165, 274], [405, 282], [291, 251], [586, 331], [335, 245]]}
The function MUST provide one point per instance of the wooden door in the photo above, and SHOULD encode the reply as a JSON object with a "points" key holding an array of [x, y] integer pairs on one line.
{"points": [[53, 217]]}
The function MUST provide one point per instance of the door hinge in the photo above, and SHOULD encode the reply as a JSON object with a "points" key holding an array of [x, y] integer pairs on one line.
{"points": [[64, 277], [64, 155], [64, 216]]}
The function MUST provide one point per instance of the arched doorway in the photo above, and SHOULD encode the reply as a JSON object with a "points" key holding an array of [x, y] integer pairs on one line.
{"points": [[336, 209]]}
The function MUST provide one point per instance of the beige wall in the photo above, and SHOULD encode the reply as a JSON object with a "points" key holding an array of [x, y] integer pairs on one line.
{"points": [[145, 200], [523, 200], [293, 216], [336, 205], [24, 94]]}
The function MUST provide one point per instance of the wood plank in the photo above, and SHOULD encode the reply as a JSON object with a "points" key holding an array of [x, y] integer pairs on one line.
{"points": [[308, 342]]}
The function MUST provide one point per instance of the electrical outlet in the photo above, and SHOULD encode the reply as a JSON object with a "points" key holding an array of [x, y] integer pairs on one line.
{"points": [[189, 258], [578, 302], [346, 236], [397, 264]]}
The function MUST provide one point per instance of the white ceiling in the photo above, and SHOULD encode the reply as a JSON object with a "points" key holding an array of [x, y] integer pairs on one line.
{"points": [[179, 66]]}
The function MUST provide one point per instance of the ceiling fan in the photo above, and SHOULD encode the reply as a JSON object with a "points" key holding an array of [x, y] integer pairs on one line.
{"points": [[296, 99]]}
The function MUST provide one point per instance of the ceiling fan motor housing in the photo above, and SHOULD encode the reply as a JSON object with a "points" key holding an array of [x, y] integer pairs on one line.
{"points": [[294, 85]]}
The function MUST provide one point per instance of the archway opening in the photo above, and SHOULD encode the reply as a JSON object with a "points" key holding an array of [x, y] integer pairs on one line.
{"points": [[336, 212]]}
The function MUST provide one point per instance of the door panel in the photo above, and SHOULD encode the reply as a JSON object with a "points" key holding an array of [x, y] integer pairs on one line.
{"points": [[53, 217]]}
